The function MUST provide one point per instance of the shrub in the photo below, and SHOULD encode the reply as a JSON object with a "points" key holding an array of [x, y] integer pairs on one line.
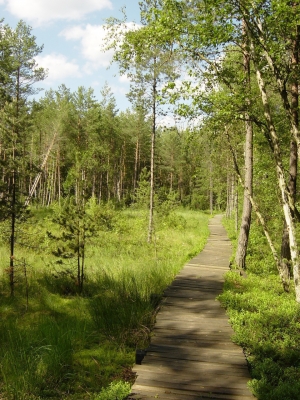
{"points": [[115, 391]]}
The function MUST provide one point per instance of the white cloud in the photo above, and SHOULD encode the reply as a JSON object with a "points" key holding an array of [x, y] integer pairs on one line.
{"points": [[124, 79], [167, 121], [41, 11], [58, 67], [92, 39], [117, 89]]}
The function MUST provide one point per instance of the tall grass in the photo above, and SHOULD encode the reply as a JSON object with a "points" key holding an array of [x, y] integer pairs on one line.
{"points": [[63, 346]]}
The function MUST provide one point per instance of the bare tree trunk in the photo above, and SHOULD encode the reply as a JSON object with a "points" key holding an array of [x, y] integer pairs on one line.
{"points": [[14, 194], [228, 197], [241, 252], [100, 188], [153, 134], [285, 245], [94, 185], [285, 256], [231, 195], [180, 185], [123, 171], [236, 202], [58, 176], [44, 189], [285, 195], [136, 161], [211, 199], [107, 178], [281, 271], [38, 177], [12, 233]]}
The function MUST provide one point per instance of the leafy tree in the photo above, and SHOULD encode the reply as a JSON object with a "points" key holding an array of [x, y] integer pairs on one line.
{"points": [[22, 73], [148, 64], [202, 30]]}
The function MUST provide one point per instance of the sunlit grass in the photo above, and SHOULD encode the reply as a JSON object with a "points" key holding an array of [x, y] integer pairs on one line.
{"points": [[64, 346]]}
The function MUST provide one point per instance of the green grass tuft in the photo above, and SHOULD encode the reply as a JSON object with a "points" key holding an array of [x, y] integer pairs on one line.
{"points": [[57, 344]]}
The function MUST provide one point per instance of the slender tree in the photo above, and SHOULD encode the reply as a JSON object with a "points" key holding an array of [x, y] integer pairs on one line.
{"points": [[23, 73], [241, 252], [148, 64]]}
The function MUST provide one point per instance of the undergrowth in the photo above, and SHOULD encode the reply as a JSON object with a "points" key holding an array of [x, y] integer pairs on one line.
{"points": [[57, 344], [266, 321]]}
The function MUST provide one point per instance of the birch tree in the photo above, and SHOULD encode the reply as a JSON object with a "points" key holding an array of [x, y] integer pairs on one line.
{"points": [[203, 30]]}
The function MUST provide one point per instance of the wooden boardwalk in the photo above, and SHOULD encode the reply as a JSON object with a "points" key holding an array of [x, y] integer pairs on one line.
{"points": [[191, 355]]}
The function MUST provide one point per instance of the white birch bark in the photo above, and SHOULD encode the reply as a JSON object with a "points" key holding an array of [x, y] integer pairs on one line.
{"points": [[283, 273], [285, 195]]}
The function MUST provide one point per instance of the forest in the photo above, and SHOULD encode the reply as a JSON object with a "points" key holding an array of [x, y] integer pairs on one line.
{"points": [[100, 209]]}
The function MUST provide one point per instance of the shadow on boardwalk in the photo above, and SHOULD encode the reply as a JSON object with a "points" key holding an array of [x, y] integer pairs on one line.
{"points": [[191, 355]]}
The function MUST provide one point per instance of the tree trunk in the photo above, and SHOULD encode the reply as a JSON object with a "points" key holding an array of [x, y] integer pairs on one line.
{"points": [[285, 256], [240, 257], [236, 202], [285, 245], [136, 160], [285, 195], [211, 197], [228, 197], [107, 179], [42, 167], [100, 188], [14, 194], [281, 271], [12, 233], [153, 132]]}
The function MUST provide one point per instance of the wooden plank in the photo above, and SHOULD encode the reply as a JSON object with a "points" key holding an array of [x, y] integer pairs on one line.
{"points": [[190, 294], [189, 320], [167, 314], [212, 290], [221, 242], [202, 355], [197, 286], [210, 266], [193, 326], [224, 388], [201, 273], [148, 392], [180, 365], [191, 355], [198, 376], [204, 341], [192, 335], [181, 308], [206, 276]]}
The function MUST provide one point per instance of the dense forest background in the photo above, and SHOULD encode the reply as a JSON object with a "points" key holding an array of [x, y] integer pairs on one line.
{"points": [[82, 184]]}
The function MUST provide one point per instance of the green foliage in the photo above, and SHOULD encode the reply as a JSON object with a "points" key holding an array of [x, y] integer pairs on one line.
{"points": [[142, 194], [115, 391], [265, 320], [76, 227], [64, 346]]}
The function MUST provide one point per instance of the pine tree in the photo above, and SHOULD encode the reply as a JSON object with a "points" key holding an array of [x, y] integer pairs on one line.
{"points": [[22, 74]]}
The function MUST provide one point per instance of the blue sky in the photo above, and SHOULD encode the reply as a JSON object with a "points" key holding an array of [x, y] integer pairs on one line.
{"points": [[72, 32]]}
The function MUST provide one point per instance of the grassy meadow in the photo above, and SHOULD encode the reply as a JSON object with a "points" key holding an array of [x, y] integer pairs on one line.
{"points": [[58, 344]]}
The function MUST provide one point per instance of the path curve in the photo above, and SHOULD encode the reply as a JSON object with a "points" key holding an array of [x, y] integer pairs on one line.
{"points": [[191, 355]]}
